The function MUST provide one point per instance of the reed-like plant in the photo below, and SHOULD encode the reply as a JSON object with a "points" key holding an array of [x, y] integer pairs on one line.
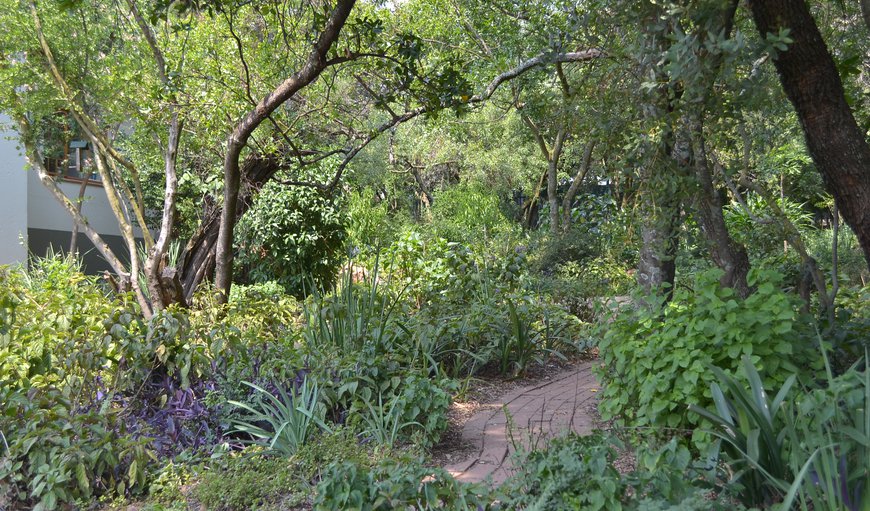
{"points": [[282, 422], [384, 420]]}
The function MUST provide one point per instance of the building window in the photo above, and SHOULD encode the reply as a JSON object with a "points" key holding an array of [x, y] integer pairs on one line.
{"points": [[76, 164]]}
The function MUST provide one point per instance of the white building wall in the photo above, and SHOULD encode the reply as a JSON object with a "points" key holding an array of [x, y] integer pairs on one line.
{"points": [[44, 212], [13, 197]]}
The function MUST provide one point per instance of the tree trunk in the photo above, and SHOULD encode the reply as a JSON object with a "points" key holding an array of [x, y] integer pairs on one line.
{"points": [[660, 211], [865, 12], [238, 139], [199, 254], [575, 185], [810, 79], [727, 254], [553, 180]]}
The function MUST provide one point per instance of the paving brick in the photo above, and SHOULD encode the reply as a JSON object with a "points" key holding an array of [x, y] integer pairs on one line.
{"points": [[538, 413]]}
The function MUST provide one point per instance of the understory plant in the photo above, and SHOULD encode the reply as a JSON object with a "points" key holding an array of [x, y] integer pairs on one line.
{"points": [[396, 486], [289, 418], [655, 358], [808, 449]]}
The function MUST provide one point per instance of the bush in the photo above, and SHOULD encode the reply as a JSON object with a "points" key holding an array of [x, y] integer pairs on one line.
{"points": [[63, 434], [578, 473], [810, 447], [469, 215], [294, 235], [395, 486], [575, 472], [55, 452], [656, 360]]}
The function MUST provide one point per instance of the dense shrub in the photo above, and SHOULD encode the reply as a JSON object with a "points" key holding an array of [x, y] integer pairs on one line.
{"points": [[469, 215], [656, 360], [65, 434], [395, 486], [579, 473], [56, 451], [804, 446], [294, 235], [251, 480]]}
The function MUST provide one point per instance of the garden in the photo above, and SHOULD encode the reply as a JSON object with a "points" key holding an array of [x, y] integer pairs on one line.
{"points": [[347, 229]]}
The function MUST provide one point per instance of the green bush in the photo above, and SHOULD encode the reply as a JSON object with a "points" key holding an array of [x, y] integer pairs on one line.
{"points": [[371, 225], [395, 486], [579, 473], [575, 472], [294, 235], [656, 360], [808, 448], [55, 452], [469, 214]]}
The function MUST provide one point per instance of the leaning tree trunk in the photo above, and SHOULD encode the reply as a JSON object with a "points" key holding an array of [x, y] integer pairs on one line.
{"points": [[238, 139], [810, 79], [690, 152]]}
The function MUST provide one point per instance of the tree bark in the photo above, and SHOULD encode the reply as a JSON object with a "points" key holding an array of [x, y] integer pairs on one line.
{"points": [[865, 12], [553, 180], [199, 254], [238, 139], [575, 185], [811, 82], [727, 254], [656, 268]]}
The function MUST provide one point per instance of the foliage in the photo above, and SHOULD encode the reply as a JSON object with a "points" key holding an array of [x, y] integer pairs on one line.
{"points": [[829, 433], [810, 448], [291, 417], [383, 421], [63, 434], [294, 235], [578, 472], [354, 317], [751, 426], [55, 451], [469, 215], [370, 225], [656, 359], [392, 485], [572, 473], [252, 479]]}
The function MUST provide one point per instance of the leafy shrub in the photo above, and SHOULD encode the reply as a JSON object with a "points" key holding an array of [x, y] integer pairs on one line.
{"points": [[656, 360], [55, 452], [370, 224], [294, 235], [252, 479], [811, 448], [750, 424], [395, 486], [578, 245], [598, 277], [62, 436], [468, 214], [575, 472], [578, 473]]}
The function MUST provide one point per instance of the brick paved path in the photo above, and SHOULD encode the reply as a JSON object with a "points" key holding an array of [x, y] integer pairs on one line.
{"points": [[534, 414]]}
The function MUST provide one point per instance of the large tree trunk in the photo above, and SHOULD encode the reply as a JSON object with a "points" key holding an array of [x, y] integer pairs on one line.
{"points": [[199, 254], [810, 79], [238, 139], [660, 215], [690, 152]]}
